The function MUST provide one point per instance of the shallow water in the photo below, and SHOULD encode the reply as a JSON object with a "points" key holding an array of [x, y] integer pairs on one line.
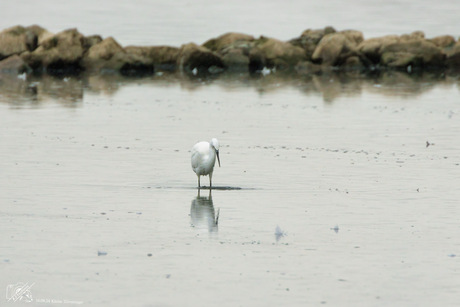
{"points": [[334, 189], [327, 192]]}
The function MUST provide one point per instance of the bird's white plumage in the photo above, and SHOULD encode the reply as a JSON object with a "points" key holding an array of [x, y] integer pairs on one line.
{"points": [[204, 157]]}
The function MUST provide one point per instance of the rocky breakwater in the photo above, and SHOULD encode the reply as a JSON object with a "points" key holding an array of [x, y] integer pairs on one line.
{"points": [[34, 49]]}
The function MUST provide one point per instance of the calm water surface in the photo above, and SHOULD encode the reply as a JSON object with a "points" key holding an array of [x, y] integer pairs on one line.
{"points": [[100, 206], [327, 194]]}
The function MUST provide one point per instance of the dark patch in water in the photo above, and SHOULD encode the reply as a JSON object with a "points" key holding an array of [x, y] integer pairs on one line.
{"points": [[221, 188]]}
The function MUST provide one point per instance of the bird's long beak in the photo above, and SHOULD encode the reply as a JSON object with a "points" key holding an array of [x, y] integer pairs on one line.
{"points": [[218, 160]]}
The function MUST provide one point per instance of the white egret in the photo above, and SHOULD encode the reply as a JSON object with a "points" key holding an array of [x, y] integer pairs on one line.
{"points": [[203, 159]]}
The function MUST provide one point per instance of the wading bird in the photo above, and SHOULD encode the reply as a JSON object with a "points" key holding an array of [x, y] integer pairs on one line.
{"points": [[203, 159]]}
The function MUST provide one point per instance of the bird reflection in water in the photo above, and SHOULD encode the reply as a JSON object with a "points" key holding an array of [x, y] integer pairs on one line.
{"points": [[202, 213]]}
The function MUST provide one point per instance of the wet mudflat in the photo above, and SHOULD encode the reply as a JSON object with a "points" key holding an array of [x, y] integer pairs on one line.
{"points": [[333, 190]]}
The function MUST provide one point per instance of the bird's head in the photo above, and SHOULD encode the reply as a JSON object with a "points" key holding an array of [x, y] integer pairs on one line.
{"points": [[215, 144]]}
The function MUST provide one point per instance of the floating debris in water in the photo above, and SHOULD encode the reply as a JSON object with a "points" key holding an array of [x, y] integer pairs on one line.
{"points": [[101, 253], [266, 71], [149, 255], [279, 233], [22, 76], [336, 228], [452, 255], [429, 144]]}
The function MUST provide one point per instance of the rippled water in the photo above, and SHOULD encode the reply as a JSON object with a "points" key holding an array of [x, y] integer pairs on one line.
{"points": [[334, 189]]}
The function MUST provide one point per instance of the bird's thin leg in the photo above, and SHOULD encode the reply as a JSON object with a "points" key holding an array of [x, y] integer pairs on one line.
{"points": [[199, 182], [210, 181]]}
